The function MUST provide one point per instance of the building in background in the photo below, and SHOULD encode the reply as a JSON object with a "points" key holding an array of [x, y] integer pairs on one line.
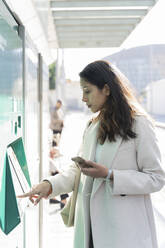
{"points": [[73, 95], [155, 100], [142, 65]]}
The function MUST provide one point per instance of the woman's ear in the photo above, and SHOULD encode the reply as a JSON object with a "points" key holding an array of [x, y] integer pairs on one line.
{"points": [[106, 90]]}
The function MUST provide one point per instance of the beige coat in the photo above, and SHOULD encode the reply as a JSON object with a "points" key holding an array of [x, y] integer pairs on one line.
{"points": [[120, 212]]}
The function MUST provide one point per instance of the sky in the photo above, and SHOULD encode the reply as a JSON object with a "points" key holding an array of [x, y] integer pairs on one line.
{"points": [[149, 31], [76, 59]]}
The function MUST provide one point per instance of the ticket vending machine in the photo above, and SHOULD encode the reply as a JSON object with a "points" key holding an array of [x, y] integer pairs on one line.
{"points": [[23, 113], [15, 181], [11, 103]]}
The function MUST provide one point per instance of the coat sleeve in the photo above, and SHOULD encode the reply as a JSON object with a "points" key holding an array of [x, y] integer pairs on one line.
{"points": [[63, 182], [149, 177]]}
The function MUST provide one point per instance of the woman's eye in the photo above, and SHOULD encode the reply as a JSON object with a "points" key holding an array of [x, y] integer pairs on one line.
{"points": [[87, 92]]}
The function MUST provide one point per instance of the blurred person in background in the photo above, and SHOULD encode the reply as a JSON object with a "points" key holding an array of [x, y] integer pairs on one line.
{"points": [[121, 168], [56, 122], [54, 170]]}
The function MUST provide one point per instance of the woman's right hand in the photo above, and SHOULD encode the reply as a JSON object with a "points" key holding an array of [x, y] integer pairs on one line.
{"points": [[39, 191]]}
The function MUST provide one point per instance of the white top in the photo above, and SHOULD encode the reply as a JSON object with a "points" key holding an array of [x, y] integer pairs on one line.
{"points": [[99, 148]]}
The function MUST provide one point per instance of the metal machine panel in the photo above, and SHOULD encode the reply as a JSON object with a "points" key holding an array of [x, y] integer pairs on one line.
{"points": [[11, 100]]}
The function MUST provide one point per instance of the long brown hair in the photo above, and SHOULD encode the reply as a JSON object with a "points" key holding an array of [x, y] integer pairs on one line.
{"points": [[117, 115]]}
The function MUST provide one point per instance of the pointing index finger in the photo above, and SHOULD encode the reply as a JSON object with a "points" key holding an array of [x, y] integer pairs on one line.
{"points": [[28, 194]]}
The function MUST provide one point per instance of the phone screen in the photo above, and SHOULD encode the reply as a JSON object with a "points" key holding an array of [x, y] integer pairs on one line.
{"points": [[81, 162], [78, 160]]}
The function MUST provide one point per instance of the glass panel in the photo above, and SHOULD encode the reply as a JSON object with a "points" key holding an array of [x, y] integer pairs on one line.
{"points": [[11, 101]]}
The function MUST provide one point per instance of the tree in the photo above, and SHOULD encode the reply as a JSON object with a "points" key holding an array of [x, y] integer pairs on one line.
{"points": [[52, 76]]}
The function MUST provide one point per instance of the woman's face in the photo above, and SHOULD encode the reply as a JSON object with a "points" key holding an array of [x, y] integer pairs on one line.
{"points": [[93, 96]]}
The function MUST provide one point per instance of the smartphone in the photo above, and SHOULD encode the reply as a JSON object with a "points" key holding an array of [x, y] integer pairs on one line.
{"points": [[80, 161]]}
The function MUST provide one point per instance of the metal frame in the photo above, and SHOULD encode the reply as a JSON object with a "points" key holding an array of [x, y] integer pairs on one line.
{"points": [[97, 23]]}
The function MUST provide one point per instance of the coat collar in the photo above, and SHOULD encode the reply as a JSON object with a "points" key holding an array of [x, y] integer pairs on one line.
{"points": [[107, 156], [108, 152]]}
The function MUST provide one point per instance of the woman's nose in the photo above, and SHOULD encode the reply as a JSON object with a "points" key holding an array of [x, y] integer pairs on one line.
{"points": [[84, 99]]}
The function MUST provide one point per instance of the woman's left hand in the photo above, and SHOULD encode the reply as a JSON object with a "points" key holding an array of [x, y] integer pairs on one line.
{"points": [[95, 170]]}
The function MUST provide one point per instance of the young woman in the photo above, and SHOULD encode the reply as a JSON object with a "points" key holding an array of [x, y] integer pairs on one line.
{"points": [[122, 166]]}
